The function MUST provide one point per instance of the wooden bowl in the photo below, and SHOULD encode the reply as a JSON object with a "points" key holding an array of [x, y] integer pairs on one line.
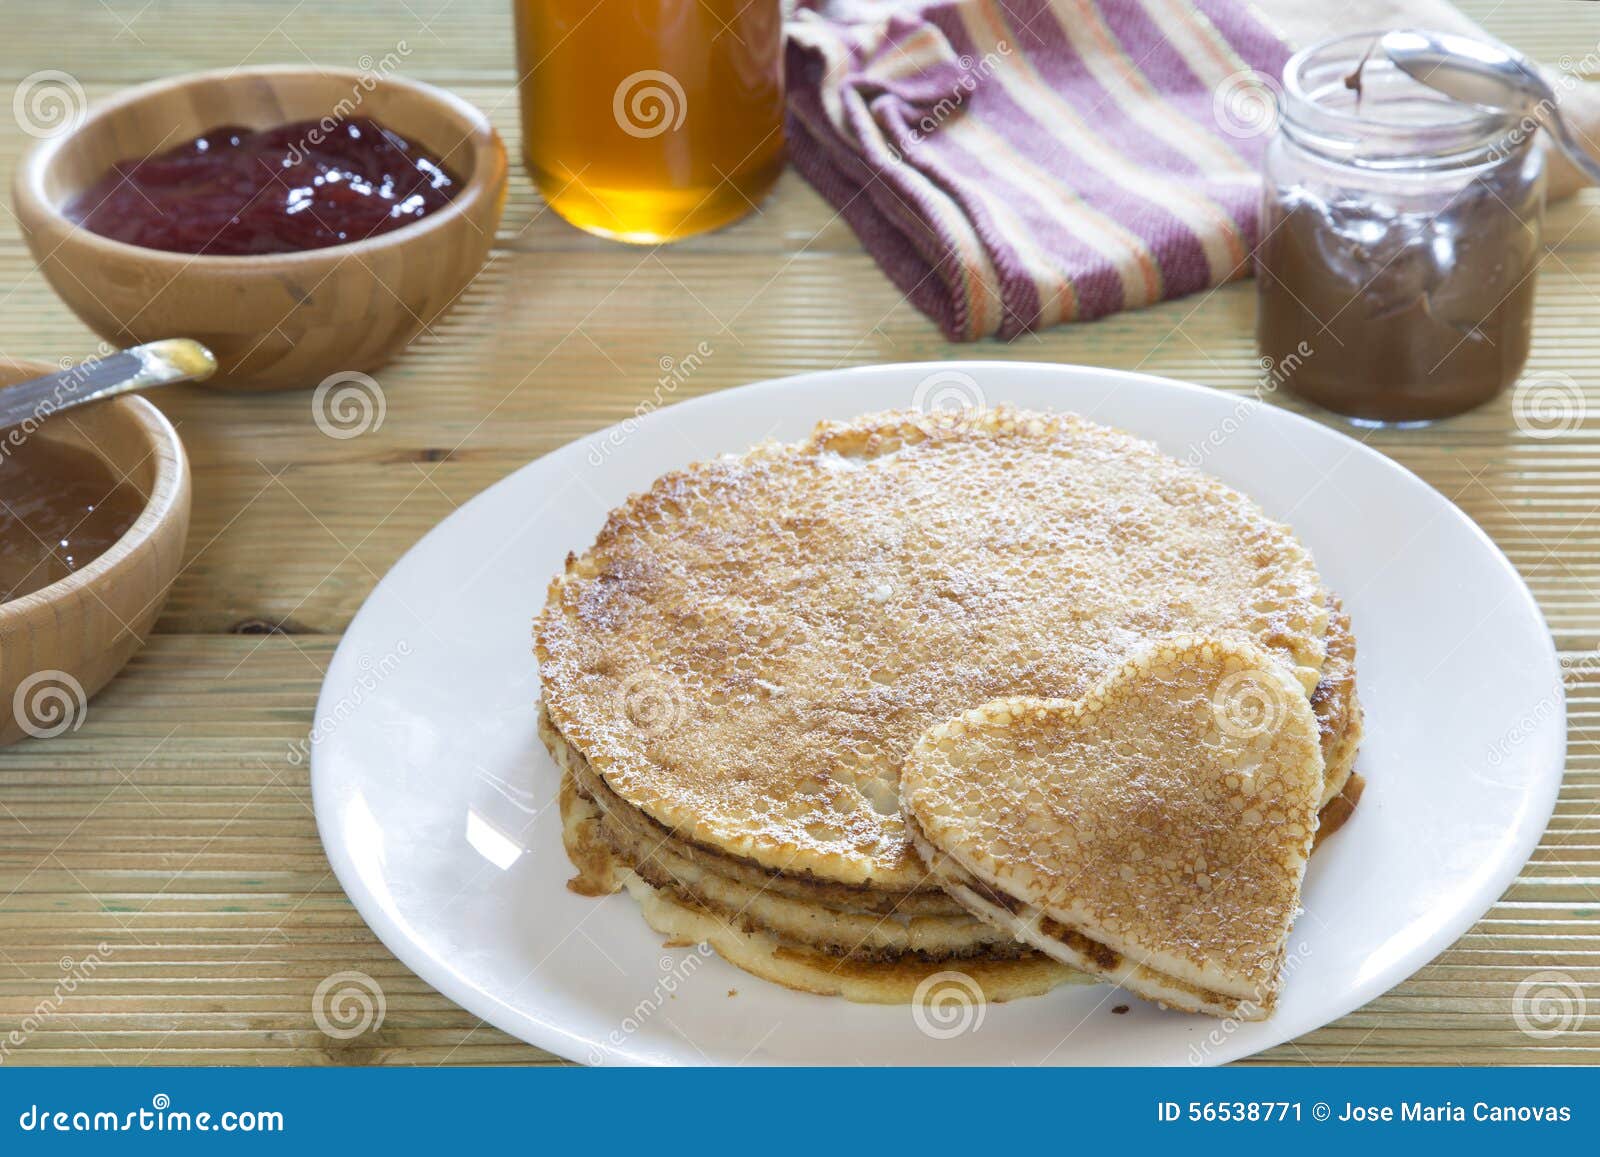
{"points": [[277, 321], [61, 644]]}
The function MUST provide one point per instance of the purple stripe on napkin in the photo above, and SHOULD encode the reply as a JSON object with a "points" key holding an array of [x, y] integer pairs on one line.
{"points": [[1012, 164]]}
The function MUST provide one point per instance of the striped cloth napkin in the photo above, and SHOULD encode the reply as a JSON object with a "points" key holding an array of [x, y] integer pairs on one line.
{"points": [[1012, 164]]}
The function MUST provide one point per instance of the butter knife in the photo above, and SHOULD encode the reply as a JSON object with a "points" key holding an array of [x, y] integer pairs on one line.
{"points": [[158, 363]]}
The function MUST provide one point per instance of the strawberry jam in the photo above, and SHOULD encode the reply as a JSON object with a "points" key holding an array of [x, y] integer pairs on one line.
{"points": [[235, 192]]}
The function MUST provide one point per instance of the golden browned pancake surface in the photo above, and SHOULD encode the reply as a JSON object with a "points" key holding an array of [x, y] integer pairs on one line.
{"points": [[1167, 815], [750, 649]]}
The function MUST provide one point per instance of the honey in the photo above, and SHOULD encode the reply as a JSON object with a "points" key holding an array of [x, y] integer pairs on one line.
{"points": [[61, 507], [650, 120]]}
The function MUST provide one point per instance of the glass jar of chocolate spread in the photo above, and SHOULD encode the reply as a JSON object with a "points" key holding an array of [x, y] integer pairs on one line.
{"points": [[1400, 234]]}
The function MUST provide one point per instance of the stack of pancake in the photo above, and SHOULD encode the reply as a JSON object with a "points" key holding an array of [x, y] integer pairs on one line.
{"points": [[736, 671]]}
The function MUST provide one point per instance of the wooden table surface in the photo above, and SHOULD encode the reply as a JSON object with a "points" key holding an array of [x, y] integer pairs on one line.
{"points": [[174, 829]]}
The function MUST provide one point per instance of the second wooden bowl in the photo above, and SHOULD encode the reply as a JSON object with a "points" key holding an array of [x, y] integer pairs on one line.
{"points": [[61, 644], [278, 321]]}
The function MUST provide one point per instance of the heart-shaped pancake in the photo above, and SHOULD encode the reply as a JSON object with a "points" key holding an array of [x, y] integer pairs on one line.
{"points": [[1153, 832]]}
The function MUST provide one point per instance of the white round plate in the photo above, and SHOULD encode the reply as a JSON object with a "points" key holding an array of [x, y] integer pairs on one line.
{"points": [[436, 799]]}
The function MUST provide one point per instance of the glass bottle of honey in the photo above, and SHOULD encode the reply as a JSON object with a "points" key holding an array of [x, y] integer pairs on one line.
{"points": [[649, 120]]}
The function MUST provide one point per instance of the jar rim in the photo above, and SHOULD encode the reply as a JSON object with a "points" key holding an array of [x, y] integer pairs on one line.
{"points": [[1455, 132]]}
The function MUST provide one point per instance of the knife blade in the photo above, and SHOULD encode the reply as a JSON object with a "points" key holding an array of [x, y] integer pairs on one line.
{"points": [[158, 363]]}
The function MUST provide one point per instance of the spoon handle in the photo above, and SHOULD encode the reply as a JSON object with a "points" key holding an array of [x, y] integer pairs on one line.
{"points": [[1573, 148], [159, 363]]}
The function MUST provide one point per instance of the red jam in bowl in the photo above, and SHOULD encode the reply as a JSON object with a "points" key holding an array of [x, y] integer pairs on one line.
{"points": [[235, 192]]}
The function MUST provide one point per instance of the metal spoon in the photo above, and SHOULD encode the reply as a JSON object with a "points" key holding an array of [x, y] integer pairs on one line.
{"points": [[1488, 75], [159, 363]]}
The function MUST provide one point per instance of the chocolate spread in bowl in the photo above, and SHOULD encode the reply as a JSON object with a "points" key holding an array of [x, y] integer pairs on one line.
{"points": [[1408, 315]]}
